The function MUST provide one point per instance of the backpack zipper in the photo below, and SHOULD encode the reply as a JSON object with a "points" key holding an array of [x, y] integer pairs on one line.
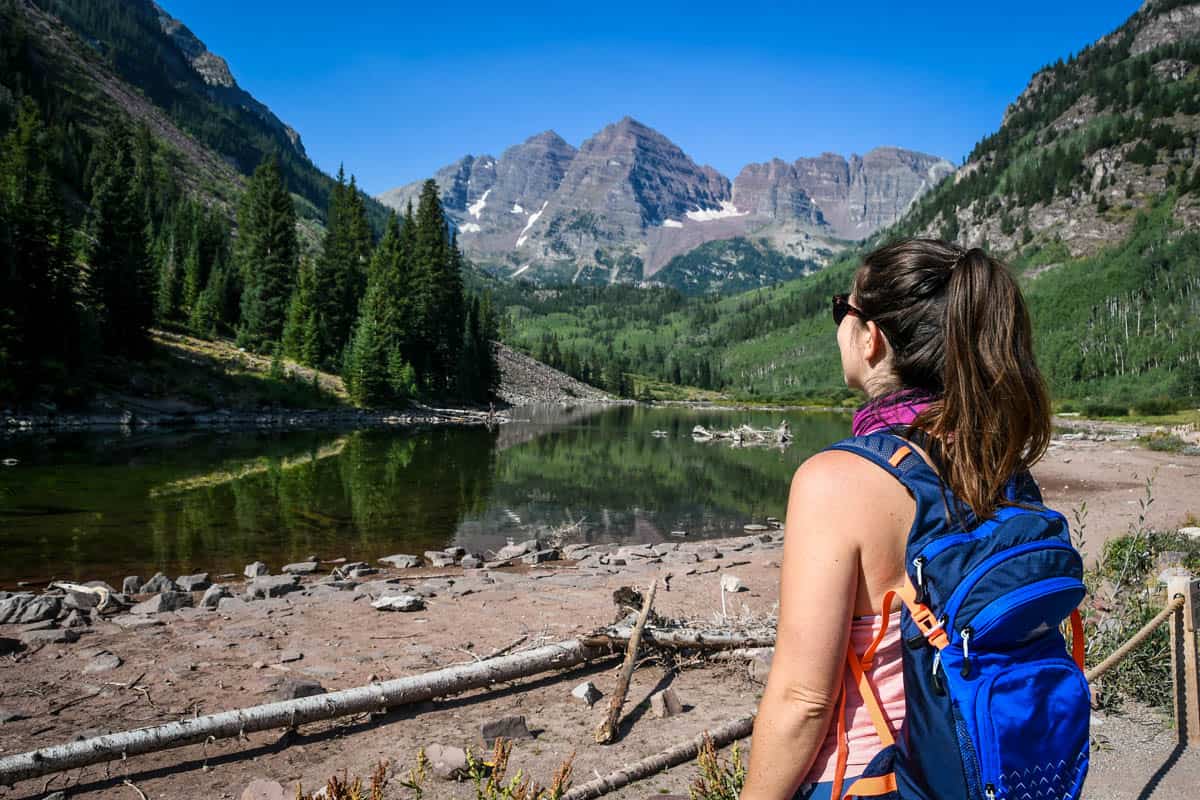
{"points": [[965, 670]]}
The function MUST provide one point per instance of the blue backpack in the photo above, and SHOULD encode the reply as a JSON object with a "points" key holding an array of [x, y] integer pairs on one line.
{"points": [[996, 708]]}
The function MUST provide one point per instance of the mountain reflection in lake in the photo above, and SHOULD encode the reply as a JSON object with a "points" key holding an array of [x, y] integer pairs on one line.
{"points": [[101, 507]]}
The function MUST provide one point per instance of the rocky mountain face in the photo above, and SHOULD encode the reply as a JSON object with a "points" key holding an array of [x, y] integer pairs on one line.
{"points": [[1088, 144], [629, 201]]}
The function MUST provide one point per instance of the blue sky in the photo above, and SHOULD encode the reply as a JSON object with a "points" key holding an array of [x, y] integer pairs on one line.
{"points": [[396, 90]]}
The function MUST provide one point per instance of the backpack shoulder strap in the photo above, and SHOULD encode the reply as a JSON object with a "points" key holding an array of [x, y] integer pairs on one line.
{"points": [[897, 457]]}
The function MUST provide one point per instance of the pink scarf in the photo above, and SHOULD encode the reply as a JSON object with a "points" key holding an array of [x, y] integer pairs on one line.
{"points": [[898, 408]]}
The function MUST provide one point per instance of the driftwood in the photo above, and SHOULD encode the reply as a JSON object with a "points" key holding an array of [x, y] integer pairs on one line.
{"points": [[683, 638], [290, 713], [607, 732], [745, 435], [729, 732]]}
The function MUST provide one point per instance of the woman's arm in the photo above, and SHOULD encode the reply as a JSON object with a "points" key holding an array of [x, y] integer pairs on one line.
{"points": [[828, 508]]}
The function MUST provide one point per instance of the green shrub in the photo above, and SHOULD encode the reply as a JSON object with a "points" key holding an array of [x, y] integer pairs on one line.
{"points": [[1157, 406], [1104, 408]]}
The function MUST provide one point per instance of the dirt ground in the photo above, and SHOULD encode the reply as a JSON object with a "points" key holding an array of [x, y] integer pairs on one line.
{"points": [[201, 662]]}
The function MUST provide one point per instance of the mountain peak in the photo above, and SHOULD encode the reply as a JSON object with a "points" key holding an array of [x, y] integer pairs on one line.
{"points": [[210, 66]]}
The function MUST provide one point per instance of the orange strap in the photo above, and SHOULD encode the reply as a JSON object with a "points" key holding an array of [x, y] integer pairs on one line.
{"points": [[858, 672], [873, 786], [868, 657], [899, 456], [843, 746], [1077, 641], [923, 617]]}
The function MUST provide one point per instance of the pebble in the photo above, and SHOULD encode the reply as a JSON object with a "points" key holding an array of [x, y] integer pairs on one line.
{"points": [[448, 763], [587, 692], [732, 584], [665, 704], [510, 727], [401, 561], [104, 662], [255, 570]]}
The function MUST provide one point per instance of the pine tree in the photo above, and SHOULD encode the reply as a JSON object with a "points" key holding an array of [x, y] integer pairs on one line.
{"points": [[37, 284], [300, 333], [267, 256], [119, 277], [340, 278]]}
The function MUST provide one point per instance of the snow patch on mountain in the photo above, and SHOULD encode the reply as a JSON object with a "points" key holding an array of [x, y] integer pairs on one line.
{"points": [[476, 208], [532, 219], [672, 223], [517, 209], [726, 210], [470, 227], [522, 269]]}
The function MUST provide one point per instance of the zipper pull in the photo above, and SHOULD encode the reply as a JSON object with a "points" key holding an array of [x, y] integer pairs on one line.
{"points": [[966, 662], [919, 563], [990, 791], [938, 684]]}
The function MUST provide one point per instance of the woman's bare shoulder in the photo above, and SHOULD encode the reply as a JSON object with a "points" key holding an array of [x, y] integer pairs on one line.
{"points": [[837, 484]]}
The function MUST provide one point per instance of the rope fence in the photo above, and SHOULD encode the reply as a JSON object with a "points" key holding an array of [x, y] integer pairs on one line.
{"points": [[1179, 613]]}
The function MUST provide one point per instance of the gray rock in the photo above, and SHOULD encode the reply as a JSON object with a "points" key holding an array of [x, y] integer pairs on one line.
{"points": [[255, 570], [271, 586], [131, 584], [163, 602], [214, 594], [52, 636], [43, 625], [455, 552], [374, 589], [231, 605], [587, 692], [471, 562], [77, 619], [759, 665], [193, 583], [300, 568], [23, 607], [403, 602], [102, 662], [754, 527], [1191, 531], [80, 601], [665, 703], [707, 553], [294, 689], [159, 583], [511, 551], [401, 561], [511, 727], [448, 763], [540, 556], [363, 572], [437, 558], [681, 557]]}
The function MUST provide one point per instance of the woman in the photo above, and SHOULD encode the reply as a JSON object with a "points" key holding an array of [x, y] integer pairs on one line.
{"points": [[939, 340]]}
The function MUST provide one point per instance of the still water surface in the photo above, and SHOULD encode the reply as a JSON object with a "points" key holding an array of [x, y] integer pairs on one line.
{"points": [[86, 507]]}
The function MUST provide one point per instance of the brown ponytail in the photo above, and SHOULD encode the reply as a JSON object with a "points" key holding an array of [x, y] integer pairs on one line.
{"points": [[958, 328]]}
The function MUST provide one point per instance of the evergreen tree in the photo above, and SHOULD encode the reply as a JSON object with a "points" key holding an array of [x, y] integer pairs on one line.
{"points": [[267, 255], [340, 278], [37, 283], [119, 276], [301, 334]]}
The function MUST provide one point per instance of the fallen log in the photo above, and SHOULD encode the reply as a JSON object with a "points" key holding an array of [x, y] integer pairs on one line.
{"points": [[682, 638], [290, 713], [729, 732], [607, 731]]}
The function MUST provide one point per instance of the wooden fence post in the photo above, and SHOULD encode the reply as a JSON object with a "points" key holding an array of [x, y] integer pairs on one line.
{"points": [[1185, 671]]}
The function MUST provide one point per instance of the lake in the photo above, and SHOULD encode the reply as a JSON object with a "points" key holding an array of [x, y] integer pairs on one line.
{"points": [[89, 506]]}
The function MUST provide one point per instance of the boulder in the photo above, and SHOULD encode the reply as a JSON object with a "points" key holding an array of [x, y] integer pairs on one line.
{"points": [[231, 605], [271, 586], [402, 602], [193, 583], [471, 562], [131, 584], [448, 763], [163, 602], [23, 608], [80, 601], [437, 558], [159, 583], [510, 727], [255, 570], [401, 561], [511, 551], [456, 552], [300, 568], [665, 703], [214, 594]]}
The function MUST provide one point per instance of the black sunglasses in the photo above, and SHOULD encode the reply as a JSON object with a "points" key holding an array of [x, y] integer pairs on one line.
{"points": [[842, 307]]}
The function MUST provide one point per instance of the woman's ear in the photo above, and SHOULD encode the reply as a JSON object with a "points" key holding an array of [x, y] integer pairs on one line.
{"points": [[875, 344]]}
